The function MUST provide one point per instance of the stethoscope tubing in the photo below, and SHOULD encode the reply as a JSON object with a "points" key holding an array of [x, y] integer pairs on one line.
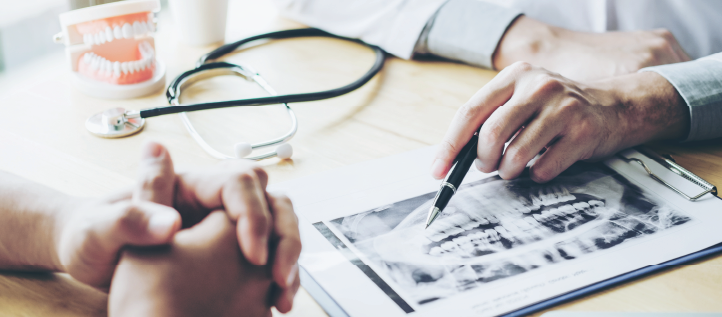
{"points": [[261, 101], [244, 72]]}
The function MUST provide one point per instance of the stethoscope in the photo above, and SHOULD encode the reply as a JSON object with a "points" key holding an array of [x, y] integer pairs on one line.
{"points": [[119, 122]]}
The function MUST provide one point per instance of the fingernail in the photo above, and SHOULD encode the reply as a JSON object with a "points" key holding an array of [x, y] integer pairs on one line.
{"points": [[437, 169], [478, 164], [152, 150], [291, 275], [160, 225]]}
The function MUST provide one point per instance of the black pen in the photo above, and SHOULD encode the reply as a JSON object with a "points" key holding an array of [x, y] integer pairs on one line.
{"points": [[453, 179]]}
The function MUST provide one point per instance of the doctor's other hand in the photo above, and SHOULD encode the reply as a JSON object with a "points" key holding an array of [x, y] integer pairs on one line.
{"points": [[201, 273], [586, 55], [540, 111]]}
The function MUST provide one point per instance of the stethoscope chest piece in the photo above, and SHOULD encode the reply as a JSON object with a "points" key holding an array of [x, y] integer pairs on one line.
{"points": [[114, 123]]}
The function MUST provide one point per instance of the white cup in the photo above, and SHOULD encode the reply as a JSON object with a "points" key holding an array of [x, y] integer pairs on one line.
{"points": [[200, 22]]}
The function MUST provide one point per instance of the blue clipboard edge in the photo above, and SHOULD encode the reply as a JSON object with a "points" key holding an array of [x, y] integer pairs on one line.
{"points": [[333, 309], [615, 281]]}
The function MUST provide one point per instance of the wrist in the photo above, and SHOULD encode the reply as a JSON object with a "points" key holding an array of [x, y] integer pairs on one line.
{"points": [[62, 220], [36, 212], [651, 108]]}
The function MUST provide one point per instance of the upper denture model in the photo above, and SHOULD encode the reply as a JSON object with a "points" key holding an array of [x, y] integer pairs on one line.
{"points": [[112, 50]]}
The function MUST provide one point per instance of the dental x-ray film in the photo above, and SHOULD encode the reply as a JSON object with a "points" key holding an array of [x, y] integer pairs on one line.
{"points": [[499, 245], [494, 229]]}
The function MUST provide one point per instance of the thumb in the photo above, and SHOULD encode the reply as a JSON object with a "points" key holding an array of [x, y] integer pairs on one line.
{"points": [[141, 224], [91, 252], [156, 177]]}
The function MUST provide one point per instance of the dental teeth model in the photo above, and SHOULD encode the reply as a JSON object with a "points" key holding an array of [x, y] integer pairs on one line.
{"points": [[118, 32], [111, 49]]}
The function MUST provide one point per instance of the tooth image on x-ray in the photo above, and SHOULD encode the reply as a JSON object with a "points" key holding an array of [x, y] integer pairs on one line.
{"points": [[494, 228]]}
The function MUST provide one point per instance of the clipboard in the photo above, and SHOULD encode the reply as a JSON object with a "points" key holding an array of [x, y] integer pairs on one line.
{"points": [[333, 309]]}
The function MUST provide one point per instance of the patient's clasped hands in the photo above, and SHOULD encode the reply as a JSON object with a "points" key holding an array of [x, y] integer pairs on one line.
{"points": [[210, 242]]}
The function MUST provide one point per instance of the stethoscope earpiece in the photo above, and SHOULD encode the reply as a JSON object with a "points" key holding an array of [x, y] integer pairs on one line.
{"points": [[242, 149], [283, 151]]}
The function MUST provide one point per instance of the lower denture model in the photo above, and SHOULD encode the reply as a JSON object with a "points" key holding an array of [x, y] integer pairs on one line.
{"points": [[112, 50], [136, 68]]}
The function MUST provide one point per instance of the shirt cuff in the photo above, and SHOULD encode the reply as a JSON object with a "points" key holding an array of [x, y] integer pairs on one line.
{"points": [[466, 31], [699, 82]]}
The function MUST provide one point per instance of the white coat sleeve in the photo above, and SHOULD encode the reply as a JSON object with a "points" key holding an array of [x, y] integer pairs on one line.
{"points": [[393, 25], [699, 82], [467, 30]]}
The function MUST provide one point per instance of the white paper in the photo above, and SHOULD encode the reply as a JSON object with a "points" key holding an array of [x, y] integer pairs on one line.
{"points": [[498, 247]]}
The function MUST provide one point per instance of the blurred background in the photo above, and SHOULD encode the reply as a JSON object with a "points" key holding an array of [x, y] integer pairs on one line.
{"points": [[27, 28]]}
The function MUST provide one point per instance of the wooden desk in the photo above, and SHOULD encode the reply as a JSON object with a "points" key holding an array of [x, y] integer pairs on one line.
{"points": [[42, 138]]}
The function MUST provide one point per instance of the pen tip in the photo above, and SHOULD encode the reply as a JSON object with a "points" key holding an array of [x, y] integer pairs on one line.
{"points": [[433, 213]]}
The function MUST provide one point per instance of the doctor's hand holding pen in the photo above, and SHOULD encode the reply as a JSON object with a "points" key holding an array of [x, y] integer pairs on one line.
{"points": [[211, 241], [537, 111]]}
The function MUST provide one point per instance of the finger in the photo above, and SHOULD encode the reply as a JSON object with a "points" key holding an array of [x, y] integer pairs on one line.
{"points": [[284, 303], [683, 56], [537, 134], [501, 127], [677, 49], [216, 227], [246, 166], [156, 175], [262, 176], [245, 202], [124, 194], [200, 192], [285, 227], [472, 114], [238, 187], [556, 159]]}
